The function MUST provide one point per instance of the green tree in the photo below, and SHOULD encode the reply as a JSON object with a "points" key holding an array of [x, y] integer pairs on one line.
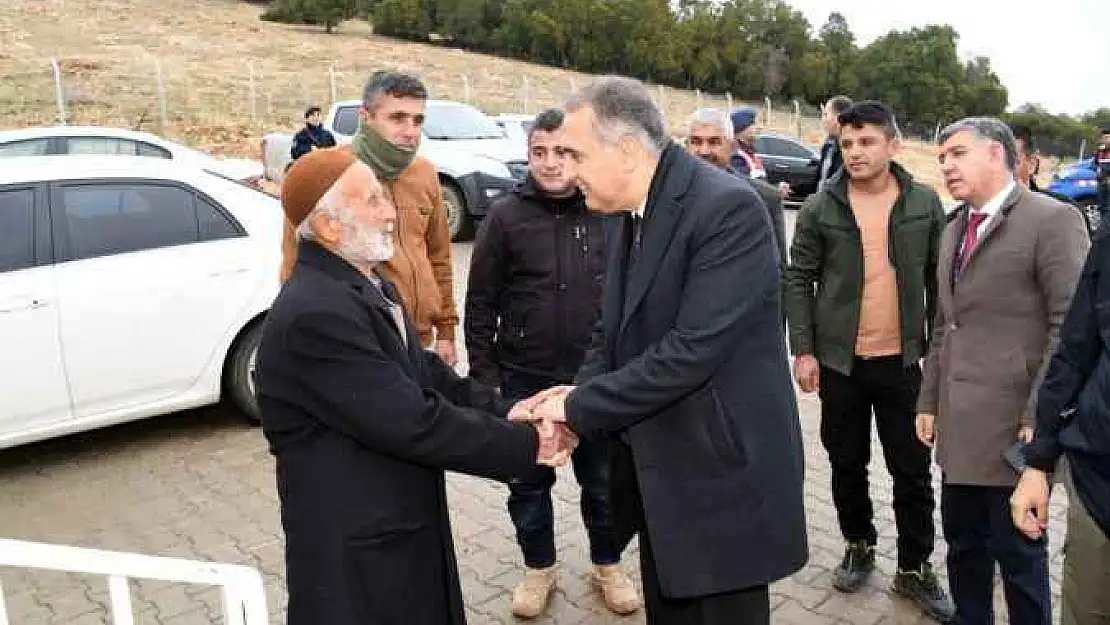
{"points": [[917, 72], [329, 13], [983, 92], [469, 23], [404, 19], [840, 52], [1098, 119]]}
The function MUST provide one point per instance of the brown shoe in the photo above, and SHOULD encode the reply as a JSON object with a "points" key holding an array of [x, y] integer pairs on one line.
{"points": [[533, 592], [616, 588]]}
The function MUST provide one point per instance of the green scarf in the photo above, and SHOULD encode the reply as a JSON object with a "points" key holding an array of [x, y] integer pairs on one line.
{"points": [[387, 160]]}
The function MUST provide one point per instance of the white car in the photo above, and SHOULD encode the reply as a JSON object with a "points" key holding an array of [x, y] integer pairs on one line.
{"points": [[52, 140], [475, 159], [517, 126], [129, 287]]}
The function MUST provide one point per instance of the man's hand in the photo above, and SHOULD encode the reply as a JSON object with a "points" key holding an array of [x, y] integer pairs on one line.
{"points": [[446, 350], [525, 410], [807, 371], [784, 189], [1029, 503], [1025, 434], [557, 443], [926, 430], [552, 409]]}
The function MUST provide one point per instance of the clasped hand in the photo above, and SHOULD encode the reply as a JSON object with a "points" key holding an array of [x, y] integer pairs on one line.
{"points": [[546, 411]]}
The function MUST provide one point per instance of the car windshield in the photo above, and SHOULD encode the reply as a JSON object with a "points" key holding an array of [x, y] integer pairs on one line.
{"points": [[460, 122]]}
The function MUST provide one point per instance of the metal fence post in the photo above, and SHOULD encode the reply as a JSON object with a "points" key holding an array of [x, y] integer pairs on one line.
{"points": [[728, 102], [466, 88], [251, 94], [766, 110], [798, 118], [331, 84], [163, 113], [59, 93]]}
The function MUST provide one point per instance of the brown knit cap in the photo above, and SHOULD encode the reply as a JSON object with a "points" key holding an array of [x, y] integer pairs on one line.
{"points": [[309, 179]]}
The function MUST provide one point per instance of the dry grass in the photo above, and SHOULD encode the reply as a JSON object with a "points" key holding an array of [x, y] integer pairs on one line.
{"points": [[211, 52]]}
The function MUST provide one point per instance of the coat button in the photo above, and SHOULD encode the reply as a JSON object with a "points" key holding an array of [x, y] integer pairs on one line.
{"points": [[562, 286], [952, 327]]}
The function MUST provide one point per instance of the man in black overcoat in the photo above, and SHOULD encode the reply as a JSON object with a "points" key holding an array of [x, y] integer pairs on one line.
{"points": [[689, 375]]}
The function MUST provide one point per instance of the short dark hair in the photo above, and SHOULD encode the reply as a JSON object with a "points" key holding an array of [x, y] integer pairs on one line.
{"points": [[1024, 133], [870, 113], [547, 121], [312, 110], [392, 83], [839, 104]]}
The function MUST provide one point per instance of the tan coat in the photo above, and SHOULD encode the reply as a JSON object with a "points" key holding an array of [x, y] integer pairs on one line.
{"points": [[996, 330], [421, 266]]}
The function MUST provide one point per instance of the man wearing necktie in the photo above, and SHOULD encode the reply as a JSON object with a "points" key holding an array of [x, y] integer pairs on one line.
{"points": [[688, 376], [1009, 262]]}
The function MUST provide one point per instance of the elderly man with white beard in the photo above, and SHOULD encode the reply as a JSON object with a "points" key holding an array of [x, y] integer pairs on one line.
{"points": [[363, 421]]}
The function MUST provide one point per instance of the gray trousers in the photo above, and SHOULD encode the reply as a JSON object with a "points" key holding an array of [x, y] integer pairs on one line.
{"points": [[1086, 584]]}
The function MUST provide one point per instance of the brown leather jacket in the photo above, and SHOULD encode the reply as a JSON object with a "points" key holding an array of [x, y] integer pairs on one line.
{"points": [[421, 266]]}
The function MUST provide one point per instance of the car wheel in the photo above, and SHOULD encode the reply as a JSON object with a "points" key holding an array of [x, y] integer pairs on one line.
{"points": [[239, 374], [458, 220]]}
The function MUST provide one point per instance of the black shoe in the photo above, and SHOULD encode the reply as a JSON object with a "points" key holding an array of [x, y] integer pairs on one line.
{"points": [[923, 588], [858, 562]]}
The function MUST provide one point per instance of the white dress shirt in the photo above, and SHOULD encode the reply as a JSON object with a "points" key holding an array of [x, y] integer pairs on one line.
{"points": [[993, 208]]}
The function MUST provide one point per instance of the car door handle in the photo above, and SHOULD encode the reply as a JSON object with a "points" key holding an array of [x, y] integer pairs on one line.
{"points": [[780, 166], [13, 306], [219, 273]]}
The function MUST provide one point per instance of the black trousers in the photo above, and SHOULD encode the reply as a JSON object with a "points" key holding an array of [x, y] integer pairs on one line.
{"points": [[980, 532], [749, 606], [1104, 197], [888, 389], [530, 504]]}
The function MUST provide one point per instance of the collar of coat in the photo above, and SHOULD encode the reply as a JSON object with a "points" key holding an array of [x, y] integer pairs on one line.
{"points": [[838, 184], [672, 176], [1016, 195], [314, 255], [530, 190]]}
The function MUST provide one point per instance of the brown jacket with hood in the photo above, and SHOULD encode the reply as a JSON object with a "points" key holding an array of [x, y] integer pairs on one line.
{"points": [[421, 265]]}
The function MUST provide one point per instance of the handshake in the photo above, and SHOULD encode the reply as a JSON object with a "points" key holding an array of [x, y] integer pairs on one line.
{"points": [[546, 410]]}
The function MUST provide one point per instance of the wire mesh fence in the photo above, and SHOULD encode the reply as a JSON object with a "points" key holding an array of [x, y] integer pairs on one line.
{"points": [[142, 91]]}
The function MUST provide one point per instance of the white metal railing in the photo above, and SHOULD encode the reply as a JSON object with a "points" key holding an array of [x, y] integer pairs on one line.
{"points": [[243, 593]]}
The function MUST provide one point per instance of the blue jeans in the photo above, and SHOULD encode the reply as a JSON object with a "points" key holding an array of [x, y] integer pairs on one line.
{"points": [[980, 532], [530, 496]]}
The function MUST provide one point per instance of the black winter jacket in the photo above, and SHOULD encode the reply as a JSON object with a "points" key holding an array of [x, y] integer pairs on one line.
{"points": [[535, 286], [1073, 403]]}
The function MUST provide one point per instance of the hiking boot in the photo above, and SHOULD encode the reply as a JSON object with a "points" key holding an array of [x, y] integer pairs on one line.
{"points": [[533, 592], [858, 562], [923, 588], [616, 588]]}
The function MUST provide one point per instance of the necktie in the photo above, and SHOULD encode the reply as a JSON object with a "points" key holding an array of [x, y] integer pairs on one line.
{"points": [[971, 237]]}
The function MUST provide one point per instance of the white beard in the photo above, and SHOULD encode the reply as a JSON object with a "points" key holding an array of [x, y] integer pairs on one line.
{"points": [[368, 247]]}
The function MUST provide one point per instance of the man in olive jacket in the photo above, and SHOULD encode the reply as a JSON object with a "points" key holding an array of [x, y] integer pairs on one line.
{"points": [[859, 288]]}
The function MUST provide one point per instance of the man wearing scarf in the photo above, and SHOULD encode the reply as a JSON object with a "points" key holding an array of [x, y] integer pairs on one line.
{"points": [[389, 133]]}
